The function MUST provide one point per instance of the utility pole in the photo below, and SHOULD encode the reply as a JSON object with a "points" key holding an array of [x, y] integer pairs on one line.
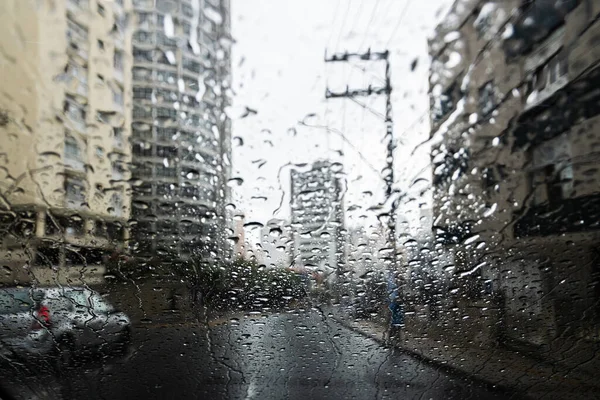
{"points": [[389, 135]]}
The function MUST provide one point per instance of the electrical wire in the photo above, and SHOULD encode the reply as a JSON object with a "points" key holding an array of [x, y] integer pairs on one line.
{"points": [[335, 12], [342, 27], [400, 19], [366, 35]]}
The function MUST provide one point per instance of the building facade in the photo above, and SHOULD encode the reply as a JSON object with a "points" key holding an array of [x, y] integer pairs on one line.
{"points": [[318, 216], [515, 135], [181, 135], [64, 131]]}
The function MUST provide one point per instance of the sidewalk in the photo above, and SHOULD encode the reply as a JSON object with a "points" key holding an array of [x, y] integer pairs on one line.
{"points": [[494, 365]]}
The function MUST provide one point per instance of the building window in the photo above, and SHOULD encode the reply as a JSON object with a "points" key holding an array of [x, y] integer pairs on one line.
{"points": [[164, 40], [487, 98], [166, 6], [116, 203], [101, 10], [143, 37], [166, 189], [142, 149], [143, 3], [142, 74], [145, 19], [142, 133], [142, 170], [118, 170], [117, 94], [142, 93], [192, 65], [99, 152], [557, 68], [78, 74], [165, 134], [72, 149], [190, 192], [187, 10], [143, 189], [165, 172], [444, 103], [162, 112], [140, 55], [100, 44], [166, 96], [74, 192], [118, 61], [118, 137], [74, 111], [142, 112], [76, 33], [104, 116], [166, 151], [551, 178], [166, 77]]}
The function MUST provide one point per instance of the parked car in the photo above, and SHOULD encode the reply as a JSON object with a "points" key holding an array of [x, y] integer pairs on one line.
{"points": [[59, 324]]}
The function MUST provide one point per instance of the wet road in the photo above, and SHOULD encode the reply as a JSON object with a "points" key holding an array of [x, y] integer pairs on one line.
{"points": [[299, 355]]}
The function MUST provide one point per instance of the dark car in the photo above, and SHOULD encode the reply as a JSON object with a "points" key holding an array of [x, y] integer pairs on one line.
{"points": [[58, 323]]}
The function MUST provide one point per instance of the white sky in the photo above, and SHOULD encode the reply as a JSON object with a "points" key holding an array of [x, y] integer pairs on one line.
{"points": [[279, 70]]}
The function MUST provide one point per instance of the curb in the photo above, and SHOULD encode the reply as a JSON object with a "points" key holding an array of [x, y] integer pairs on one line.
{"points": [[447, 368]]}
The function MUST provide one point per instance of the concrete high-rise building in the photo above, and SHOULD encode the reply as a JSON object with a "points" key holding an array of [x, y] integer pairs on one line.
{"points": [[318, 216], [181, 135], [515, 130], [64, 132]]}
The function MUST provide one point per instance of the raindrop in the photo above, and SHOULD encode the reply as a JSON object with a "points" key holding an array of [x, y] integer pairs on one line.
{"points": [[275, 232], [238, 141], [235, 182], [454, 60], [169, 26], [253, 224]]}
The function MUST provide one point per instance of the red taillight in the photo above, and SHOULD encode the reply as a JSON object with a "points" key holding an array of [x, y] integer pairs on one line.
{"points": [[42, 318]]}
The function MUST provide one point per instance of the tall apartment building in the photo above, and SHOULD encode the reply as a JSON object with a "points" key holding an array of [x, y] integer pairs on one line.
{"points": [[181, 135], [318, 216], [64, 130], [514, 109]]}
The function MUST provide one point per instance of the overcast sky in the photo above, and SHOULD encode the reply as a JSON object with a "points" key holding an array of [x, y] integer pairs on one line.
{"points": [[279, 71]]}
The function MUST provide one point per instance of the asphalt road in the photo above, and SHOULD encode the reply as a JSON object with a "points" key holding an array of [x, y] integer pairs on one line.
{"points": [[296, 355]]}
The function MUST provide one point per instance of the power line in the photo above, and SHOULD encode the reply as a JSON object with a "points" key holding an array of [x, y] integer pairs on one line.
{"points": [[342, 27], [335, 12], [366, 107], [369, 24], [402, 15], [357, 15], [347, 141]]}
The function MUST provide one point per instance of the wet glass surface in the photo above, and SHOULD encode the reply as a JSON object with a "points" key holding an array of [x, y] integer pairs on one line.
{"points": [[262, 199]]}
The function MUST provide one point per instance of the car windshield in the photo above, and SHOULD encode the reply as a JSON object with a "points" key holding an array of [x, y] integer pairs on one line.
{"points": [[299, 199]]}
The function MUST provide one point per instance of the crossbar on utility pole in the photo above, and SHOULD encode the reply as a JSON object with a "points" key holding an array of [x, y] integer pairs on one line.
{"points": [[389, 134]]}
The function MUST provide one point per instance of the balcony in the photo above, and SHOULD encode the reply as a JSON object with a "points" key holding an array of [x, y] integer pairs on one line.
{"points": [[538, 20], [77, 39], [580, 214]]}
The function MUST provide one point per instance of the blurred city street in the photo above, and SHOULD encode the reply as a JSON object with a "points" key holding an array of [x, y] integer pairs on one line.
{"points": [[294, 355]]}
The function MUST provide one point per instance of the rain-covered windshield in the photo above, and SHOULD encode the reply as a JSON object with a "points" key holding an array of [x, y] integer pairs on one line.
{"points": [[284, 199]]}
